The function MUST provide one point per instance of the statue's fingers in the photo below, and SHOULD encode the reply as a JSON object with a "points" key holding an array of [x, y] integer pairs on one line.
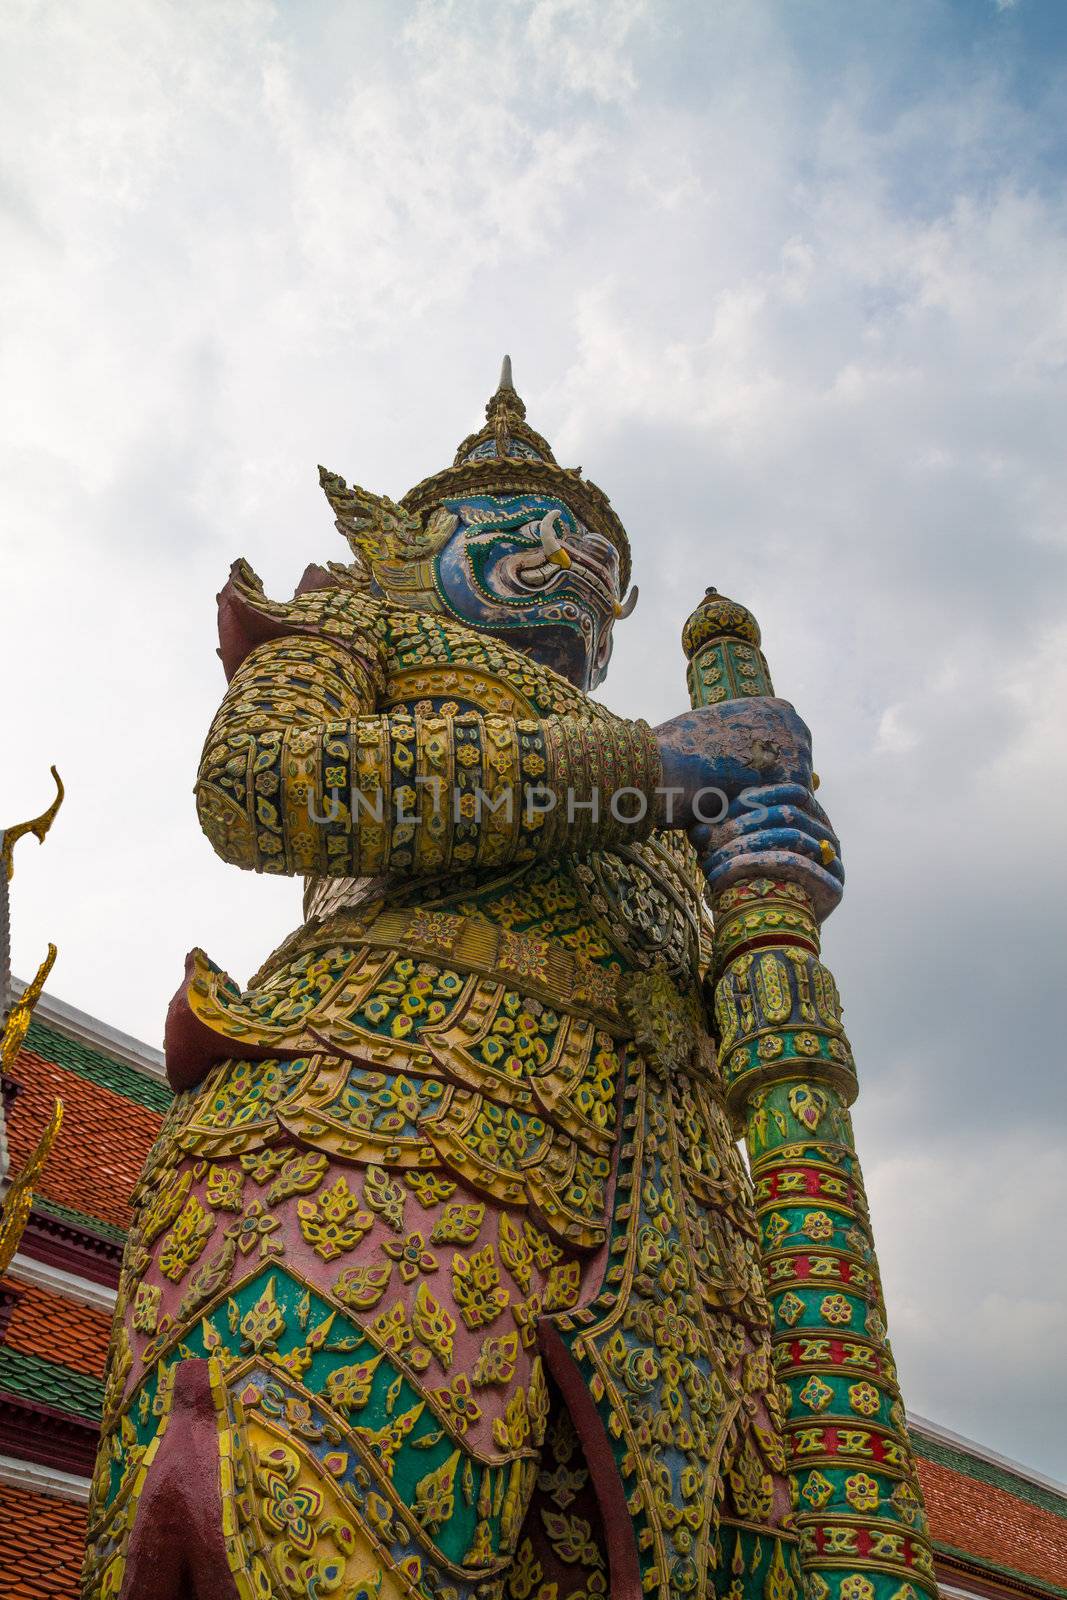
{"points": [[768, 840], [783, 816], [766, 796], [775, 827]]}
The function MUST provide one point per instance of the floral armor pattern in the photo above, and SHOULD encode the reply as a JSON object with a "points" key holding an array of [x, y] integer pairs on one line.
{"points": [[449, 1216]]}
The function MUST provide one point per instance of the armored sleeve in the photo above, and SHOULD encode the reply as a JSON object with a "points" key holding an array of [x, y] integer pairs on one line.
{"points": [[302, 775]]}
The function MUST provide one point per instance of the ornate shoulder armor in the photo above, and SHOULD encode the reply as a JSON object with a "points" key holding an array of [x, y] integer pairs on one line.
{"points": [[329, 602]]}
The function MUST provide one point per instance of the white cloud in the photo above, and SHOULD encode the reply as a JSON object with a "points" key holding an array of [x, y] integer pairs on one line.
{"points": [[993, 1296], [895, 737]]}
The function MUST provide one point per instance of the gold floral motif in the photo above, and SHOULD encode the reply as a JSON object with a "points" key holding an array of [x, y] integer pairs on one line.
{"points": [[817, 1225], [429, 1187], [816, 1394], [146, 1307], [264, 1324], [385, 1442], [186, 1240], [864, 1398], [434, 1325], [165, 1206], [363, 1286], [572, 1540], [458, 1224], [435, 1494], [298, 1175], [394, 1333], [411, 1256], [477, 1288], [349, 1388], [512, 1431], [496, 1360], [835, 1309], [457, 1403], [515, 1253], [254, 1226], [562, 1286], [861, 1492], [332, 1222], [384, 1196]]}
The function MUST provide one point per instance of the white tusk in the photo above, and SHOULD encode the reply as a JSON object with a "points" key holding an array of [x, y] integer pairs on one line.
{"points": [[552, 546], [626, 609]]}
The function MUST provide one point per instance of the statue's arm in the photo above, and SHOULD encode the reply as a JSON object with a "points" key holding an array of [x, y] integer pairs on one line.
{"points": [[302, 774]]}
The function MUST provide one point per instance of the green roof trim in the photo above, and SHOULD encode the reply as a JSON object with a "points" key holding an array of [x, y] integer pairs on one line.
{"points": [[78, 1219], [983, 1471], [98, 1068], [50, 1384], [996, 1570]]}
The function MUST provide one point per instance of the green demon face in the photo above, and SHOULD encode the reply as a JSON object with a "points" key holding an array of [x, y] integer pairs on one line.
{"points": [[527, 570]]}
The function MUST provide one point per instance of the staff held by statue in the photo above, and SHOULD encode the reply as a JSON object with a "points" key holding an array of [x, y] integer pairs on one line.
{"points": [[790, 1078]]}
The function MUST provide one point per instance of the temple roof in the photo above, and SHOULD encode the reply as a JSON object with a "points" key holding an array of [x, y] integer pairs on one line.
{"points": [[43, 1319], [56, 1300], [113, 1115], [992, 1520], [42, 1542]]}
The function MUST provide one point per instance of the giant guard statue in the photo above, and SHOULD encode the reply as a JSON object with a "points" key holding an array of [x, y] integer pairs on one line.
{"points": [[447, 1279]]}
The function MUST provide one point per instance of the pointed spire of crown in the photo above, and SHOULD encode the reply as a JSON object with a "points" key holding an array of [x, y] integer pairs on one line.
{"points": [[507, 457], [507, 436]]}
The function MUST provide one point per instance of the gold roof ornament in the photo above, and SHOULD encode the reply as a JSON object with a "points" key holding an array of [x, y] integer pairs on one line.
{"points": [[20, 1015], [38, 826], [18, 1202], [19, 1198], [508, 457]]}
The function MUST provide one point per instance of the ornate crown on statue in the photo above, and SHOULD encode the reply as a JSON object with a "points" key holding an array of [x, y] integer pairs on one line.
{"points": [[505, 457]]}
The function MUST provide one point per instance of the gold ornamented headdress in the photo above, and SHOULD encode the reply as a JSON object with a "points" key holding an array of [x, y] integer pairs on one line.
{"points": [[505, 457], [389, 543]]}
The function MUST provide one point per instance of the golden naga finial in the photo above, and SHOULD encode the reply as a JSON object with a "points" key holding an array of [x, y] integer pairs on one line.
{"points": [[19, 1198], [39, 826], [18, 1018]]}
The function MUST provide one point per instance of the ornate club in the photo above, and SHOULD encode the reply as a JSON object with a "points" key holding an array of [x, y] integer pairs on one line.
{"points": [[790, 1079]]}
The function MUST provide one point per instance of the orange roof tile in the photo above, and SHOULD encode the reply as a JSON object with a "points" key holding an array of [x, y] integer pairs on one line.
{"points": [[992, 1525], [43, 1323], [102, 1146], [42, 1542]]}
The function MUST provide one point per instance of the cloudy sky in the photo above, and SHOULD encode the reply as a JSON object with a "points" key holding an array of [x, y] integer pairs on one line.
{"points": [[788, 280]]}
